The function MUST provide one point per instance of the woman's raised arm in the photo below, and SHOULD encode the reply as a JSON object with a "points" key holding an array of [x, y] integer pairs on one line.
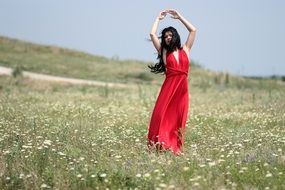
{"points": [[192, 29], [153, 35]]}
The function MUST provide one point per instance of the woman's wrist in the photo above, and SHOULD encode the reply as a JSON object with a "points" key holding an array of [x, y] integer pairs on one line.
{"points": [[158, 18], [180, 17]]}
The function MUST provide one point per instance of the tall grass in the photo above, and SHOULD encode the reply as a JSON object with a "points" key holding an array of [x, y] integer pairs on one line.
{"points": [[57, 136]]}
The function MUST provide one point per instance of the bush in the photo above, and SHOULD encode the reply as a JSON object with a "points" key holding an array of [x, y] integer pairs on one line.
{"points": [[17, 71]]}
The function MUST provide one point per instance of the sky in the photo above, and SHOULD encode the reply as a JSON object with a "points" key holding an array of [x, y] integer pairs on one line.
{"points": [[244, 37]]}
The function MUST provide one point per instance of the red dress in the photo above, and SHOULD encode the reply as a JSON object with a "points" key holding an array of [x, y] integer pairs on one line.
{"points": [[168, 120]]}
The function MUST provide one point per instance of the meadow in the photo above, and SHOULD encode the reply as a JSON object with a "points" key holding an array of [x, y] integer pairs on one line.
{"points": [[62, 136]]}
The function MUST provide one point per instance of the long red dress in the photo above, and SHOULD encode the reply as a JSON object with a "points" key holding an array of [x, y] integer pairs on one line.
{"points": [[168, 120]]}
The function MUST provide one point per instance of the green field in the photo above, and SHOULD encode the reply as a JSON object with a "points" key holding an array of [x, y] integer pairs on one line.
{"points": [[62, 136]]}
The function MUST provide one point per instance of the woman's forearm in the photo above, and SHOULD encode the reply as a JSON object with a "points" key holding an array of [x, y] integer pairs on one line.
{"points": [[154, 38], [187, 24], [154, 27]]}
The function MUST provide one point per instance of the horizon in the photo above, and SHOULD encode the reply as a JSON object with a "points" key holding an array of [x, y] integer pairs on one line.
{"points": [[119, 59]]}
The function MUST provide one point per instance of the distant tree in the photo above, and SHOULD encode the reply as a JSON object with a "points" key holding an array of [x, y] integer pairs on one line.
{"points": [[17, 71], [227, 79]]}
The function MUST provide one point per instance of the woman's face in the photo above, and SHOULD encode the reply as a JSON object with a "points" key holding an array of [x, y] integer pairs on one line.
{"points": [[168, 37]]}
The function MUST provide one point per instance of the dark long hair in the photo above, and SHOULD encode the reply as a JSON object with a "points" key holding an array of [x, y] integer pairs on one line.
{"points": [[175, 43]]}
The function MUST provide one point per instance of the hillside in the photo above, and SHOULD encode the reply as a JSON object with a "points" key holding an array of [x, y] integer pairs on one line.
{"points": [[69, 63], [75, 64]]}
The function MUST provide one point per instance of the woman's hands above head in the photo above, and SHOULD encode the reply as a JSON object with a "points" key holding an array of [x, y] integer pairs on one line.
{"points": [[174, 14]]}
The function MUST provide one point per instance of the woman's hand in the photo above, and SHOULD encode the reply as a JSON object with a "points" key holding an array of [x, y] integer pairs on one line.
{"points": [[174, 14], [162, 14]]}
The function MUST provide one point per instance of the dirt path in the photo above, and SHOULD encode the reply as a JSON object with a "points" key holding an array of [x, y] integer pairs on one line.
{"points": [[36, 76]]}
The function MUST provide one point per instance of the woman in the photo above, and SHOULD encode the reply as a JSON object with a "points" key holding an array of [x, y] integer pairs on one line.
{"points": [[170, 112]]}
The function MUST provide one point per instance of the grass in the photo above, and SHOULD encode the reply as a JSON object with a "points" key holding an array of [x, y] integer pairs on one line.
{"points": [[70, 63], [61, 136]]}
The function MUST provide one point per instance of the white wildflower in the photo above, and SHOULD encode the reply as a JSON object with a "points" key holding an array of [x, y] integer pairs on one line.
{"points": [[186, 168], [47, 142], [103, 175], [146, 175], [44, 186], [162, 185]]}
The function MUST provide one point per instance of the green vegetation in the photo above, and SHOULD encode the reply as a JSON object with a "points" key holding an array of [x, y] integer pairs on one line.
{"points": [[61, 136], [70, 63]]}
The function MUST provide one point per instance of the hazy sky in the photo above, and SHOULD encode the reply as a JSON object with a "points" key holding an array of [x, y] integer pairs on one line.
{"points": [[240, 36]]}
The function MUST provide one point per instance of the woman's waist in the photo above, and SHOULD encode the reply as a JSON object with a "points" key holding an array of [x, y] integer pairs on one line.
{"points": [[172, 72]]}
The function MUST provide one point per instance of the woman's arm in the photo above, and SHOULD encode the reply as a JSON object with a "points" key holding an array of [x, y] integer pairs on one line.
{"points": [[192, 30], [153, 35]]}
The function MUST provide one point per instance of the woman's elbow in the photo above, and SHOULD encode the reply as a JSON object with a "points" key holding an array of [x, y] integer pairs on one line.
{"points": [[152, 34]]}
